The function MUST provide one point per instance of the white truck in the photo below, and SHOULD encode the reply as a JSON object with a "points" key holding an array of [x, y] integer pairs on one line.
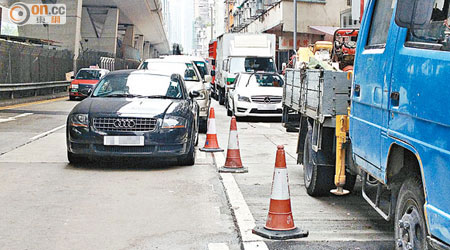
{"points": [[242, 52]]}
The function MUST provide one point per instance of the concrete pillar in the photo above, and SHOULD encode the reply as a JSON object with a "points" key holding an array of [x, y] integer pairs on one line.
{"points": [[103, 39], [146, 50], [67, 35], [140, 45], [128, 39], [152, 51]]}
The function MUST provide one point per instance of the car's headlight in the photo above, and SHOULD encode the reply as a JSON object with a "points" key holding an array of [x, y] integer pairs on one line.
{"points": [[79, 120], [171, 122], [243, 98]]}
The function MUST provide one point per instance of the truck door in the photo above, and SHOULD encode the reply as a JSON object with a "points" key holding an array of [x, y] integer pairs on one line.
{"points": [[373, 64], [419, 109]]}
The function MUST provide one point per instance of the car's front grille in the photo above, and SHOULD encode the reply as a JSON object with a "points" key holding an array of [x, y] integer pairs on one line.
{"points": [[267, 99], [124, 124]]}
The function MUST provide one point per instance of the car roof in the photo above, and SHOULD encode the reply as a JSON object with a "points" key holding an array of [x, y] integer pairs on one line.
{"points": [[192, 58], [95, 69], [139, 71]]}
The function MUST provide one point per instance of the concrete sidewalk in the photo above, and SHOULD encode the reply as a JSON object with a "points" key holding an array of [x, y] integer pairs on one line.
{"points": [[333, 222]]}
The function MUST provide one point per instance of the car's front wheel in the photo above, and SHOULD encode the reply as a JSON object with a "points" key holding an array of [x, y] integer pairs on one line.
{"points": [[189, 158], [76, 159]]}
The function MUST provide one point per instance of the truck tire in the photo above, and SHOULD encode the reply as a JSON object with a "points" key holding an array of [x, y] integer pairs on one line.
{"points": [[409, 216], [319, 180]]}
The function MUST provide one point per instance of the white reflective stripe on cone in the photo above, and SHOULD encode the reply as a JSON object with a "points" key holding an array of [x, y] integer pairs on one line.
{"points": [[211, 126], [280, 188], [233, 140]]}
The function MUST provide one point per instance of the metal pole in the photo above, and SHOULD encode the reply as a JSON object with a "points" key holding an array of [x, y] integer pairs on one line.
{"points": [[295, 26]]}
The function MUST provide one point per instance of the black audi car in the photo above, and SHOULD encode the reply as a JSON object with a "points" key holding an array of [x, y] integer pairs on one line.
{"points": [[135, 113]]}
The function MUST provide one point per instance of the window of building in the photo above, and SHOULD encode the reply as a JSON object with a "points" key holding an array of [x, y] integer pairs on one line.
{"points": [[436, 34], [379, 27]]}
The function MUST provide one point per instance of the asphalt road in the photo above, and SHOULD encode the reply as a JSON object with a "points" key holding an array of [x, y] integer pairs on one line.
{"points": [[49, 204]]}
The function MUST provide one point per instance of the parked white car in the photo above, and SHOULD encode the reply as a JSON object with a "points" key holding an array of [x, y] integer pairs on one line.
{"points": [[256, 94], [192, 78]]}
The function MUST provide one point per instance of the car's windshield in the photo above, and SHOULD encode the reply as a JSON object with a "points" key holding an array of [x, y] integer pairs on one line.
{"points": [[251, 64], [201, 68], [185, 69], [138, 85], [264, 80], [85, 74]]}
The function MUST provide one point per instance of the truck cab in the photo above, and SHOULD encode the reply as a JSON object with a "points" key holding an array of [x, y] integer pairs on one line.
{"points": [[400, 122], [242, 53]]}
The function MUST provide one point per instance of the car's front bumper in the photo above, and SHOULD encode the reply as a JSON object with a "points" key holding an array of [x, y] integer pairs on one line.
{"points": [[159, 143], [258, 109], [204, 105]]}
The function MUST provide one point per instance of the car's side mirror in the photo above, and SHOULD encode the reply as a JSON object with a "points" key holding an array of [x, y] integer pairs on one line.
{"points": [[72, 77], [193, 94], [86, 91], [208, 78], [213, 73], [413, 13]]}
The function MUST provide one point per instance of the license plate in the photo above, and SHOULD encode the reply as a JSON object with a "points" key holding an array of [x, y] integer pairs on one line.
{"points": [[123, 141], [74, 90], [267, 107]]}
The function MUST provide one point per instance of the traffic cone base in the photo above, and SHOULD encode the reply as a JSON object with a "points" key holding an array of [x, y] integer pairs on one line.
{"points": [[280, 235], [211, 150], [225, 169]]}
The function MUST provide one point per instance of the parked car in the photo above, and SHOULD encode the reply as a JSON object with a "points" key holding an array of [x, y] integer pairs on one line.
{"points": [[256, 94], [200, 62], [192, 78], [86, 78], [135, 113]]}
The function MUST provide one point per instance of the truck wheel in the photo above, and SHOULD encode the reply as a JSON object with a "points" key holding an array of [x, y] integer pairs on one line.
{"points": [[221, 96], [350, 181], [410, 226], [319, 180]]}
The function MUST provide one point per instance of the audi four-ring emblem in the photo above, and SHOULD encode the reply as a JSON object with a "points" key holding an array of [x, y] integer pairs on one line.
{"points": [[124, 123]]}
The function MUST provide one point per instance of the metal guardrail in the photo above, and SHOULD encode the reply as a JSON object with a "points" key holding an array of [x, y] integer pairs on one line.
{"points": [[33, 89]]}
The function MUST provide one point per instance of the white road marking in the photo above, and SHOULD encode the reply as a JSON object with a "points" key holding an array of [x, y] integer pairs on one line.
{"points": [[14, 117], [22, 115], [39, 136], [244, 218], [218, 246]]}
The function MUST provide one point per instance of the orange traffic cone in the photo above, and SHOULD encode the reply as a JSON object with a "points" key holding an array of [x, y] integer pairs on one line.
{"points": [[233, 164], [211, 144], [280, 223]]}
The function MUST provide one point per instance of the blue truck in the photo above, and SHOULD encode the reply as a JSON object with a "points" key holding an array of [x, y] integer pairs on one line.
{"points": [[396, 133], [400, 116]]}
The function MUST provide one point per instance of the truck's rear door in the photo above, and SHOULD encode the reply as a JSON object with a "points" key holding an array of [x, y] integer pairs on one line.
{"points": [[420, 110], [373, 65]]}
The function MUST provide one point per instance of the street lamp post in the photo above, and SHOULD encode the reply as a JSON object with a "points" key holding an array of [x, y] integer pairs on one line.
{"points": [[295, 26]]}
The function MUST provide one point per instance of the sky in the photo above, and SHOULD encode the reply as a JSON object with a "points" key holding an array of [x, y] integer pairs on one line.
{"points": [[181, 23]]}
